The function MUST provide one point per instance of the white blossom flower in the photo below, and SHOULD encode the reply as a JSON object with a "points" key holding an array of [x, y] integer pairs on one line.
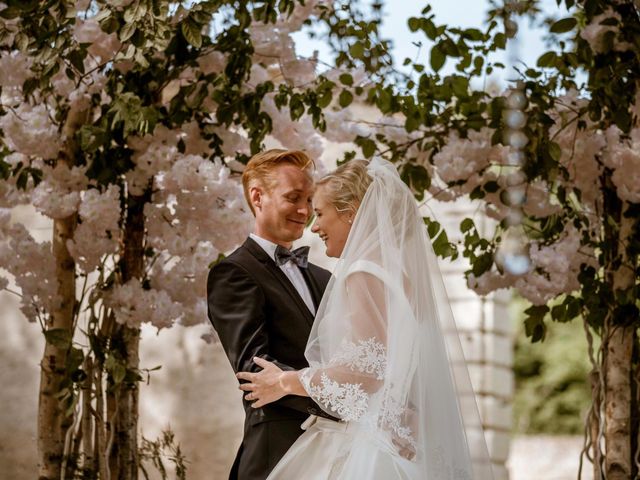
{"points": [[58, 194], [82, 5], [555, 268], [153, 154], [298, 135], [14, 69], [30, 130], [32, 265], [538, 200], [462, 159], [133, 305], [98, 232], [594, 32], [212, 62], [623, 156], [103, 45]]}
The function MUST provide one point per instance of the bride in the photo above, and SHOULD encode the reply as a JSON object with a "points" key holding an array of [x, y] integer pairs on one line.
{"points": [[384, 354]]}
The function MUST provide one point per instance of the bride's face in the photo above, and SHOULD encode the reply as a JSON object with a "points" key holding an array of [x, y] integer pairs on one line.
{"points": [[332, 226]]}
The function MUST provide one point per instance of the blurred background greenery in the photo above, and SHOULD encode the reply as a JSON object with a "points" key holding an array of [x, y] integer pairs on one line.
{"points": [[552, 388]]}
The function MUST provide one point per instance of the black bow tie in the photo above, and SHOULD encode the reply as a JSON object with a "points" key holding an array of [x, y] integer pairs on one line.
{"points": [[297, 256]]}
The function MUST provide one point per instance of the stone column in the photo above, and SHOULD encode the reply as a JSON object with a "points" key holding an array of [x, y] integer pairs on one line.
{"points": [[486, 335]]}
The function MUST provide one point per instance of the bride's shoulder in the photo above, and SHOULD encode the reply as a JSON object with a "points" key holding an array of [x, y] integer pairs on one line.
{"points": [[365, 266]]}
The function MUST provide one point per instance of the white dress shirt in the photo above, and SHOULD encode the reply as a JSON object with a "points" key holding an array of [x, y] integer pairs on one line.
{"points": [[290, 269]]}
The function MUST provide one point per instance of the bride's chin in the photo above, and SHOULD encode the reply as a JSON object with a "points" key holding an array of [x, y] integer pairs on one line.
{"points": [[329, 253]]}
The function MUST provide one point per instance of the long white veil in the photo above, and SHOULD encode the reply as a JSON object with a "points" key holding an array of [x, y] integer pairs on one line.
{"points": [[384, 351]]}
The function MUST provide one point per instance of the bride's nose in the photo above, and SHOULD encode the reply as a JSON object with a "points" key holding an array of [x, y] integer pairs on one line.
{"points": [[315, 228]]}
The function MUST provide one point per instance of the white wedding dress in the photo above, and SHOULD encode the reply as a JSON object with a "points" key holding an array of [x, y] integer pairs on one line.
{"points": [[385, 358]]}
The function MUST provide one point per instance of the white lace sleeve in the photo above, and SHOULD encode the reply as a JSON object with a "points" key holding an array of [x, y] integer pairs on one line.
{"points": [[344, 383]]}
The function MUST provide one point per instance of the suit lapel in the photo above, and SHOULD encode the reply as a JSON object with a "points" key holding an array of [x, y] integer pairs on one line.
{"points": [[258, 252], [312, 283]]}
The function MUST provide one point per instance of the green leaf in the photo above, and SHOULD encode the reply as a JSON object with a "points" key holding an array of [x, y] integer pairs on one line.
{"points": [[441, 245], [116, 369], [135, 12], [466, 225], [477, 193], [10, 13], [491, 186], [346, 79], [433, 227], [91, 138], [357, 50], [564, 25], [368, 147], [535, 329], [437, 58], [384, 101], [345, 99], [555, 151], [191, 32], [127, 32], [482, 264], [58, 337], [547, 59], [414, 24], [76, 57]]}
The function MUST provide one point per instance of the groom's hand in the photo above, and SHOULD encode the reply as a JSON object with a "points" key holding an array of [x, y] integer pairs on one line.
{"points": [[265, 386]]}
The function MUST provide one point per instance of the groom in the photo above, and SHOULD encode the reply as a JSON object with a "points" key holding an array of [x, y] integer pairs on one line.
{"points": [[262, 300]]}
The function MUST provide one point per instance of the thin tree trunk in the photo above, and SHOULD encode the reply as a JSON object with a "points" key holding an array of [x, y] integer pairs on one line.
{"points": [[618, 367], [87, 417], [123, 401], [52, 421], [618, 460]]}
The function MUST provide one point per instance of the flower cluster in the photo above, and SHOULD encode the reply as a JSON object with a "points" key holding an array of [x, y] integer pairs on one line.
{"points": [[594, 32], [32, 266], [98, 230], [555, 270], [58, 194], [132, 304], [30, 130], [623, 157], [197, 212]]}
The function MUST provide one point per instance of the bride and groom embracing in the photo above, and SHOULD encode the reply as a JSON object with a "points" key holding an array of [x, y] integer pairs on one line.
{"points": [[376, 386]]}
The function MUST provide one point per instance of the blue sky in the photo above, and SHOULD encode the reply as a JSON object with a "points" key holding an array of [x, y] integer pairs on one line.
{"points": [[462, 13]]}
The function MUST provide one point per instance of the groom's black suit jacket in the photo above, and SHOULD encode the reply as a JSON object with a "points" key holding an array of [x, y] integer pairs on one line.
{"points": [[257, 311]]}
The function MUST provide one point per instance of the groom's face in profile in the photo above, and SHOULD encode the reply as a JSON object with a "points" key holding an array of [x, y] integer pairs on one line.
{"points": [[283, 210]]}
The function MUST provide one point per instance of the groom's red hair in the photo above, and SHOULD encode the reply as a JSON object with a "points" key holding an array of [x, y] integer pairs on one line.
{"points": [[260, 168]]}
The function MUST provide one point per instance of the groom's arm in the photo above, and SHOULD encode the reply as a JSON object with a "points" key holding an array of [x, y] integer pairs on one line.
{"points": [[236, 306]]}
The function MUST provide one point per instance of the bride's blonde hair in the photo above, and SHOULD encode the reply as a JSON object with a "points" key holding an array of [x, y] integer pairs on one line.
{"points": [[346, 185]]}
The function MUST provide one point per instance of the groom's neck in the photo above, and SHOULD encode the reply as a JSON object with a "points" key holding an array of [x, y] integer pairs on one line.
{"points": [[278, 241]]}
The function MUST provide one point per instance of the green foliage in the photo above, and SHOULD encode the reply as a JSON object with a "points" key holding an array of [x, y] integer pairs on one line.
{"points": [[160, 452], [552, 387], [434, 104]]}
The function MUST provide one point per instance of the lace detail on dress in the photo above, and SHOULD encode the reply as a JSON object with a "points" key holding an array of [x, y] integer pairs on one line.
{"points": [[348, 400], [367, 356], [391, 415]]}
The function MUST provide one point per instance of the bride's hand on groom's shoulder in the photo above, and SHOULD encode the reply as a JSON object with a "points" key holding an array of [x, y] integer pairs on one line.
{"points": [[265, 386]]}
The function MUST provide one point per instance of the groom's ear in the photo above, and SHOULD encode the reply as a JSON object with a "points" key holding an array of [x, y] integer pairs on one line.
{"points": [[255, 195]]}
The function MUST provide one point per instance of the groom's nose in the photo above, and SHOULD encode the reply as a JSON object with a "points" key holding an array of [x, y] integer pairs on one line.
{"points": [[305, 210]]}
